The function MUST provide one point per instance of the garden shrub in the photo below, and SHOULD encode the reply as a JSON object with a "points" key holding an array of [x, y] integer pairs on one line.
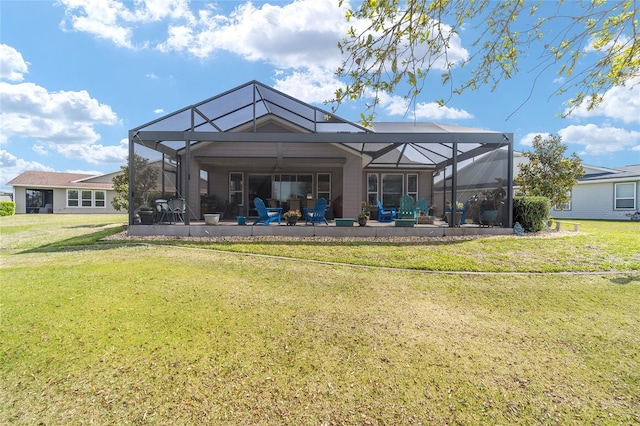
{"points": [[531, 212], [7, 208]]}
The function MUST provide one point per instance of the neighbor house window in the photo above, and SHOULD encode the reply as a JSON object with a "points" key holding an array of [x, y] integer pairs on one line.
{"points": [[236, 188], [372, 188], [86, 198], [100, 199], [564, 207], [72, 198], [324, 186], [625, 196], [412, 186], [391, 189]]}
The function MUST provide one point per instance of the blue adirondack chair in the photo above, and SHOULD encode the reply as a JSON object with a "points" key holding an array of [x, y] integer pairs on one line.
{"points": [[316, 214], [462, 211], [385, 215], [407, 209], [422, 205], [266, 215]]}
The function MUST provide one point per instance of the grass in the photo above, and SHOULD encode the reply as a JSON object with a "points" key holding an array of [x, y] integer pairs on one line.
{"points": [[602, 246], [130, 334]]}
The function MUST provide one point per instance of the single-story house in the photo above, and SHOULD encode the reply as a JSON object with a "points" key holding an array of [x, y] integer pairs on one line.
{"points": [[602, 193], [255, 141], [54, 192]]}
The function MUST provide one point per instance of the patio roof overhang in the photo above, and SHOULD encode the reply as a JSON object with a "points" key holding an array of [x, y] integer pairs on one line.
{"points": [[430, 150]]}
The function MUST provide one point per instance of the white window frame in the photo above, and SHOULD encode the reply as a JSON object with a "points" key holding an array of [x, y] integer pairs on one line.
{"points": [[319, 193], [382, 191], [76, 199], [376, 193], [93, 201], [564, 207], [616, 198], [413, 194], [237, 191]]}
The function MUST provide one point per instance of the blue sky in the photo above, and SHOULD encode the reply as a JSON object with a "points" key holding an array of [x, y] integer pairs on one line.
{"points": [[76, 75]]}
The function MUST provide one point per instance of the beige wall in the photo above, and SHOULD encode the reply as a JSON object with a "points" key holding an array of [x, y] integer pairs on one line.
{"points": [[60, 201]]}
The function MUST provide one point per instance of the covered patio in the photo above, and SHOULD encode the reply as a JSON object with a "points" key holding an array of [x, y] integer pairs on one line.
{"points": [[256, 141]]}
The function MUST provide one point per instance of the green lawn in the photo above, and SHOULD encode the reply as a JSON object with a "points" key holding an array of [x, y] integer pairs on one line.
{"points": [[102, 333]]}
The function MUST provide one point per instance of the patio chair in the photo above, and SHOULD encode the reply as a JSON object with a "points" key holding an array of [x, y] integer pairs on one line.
{"points": [[465, 206], [385, 214], [462, 211], [266, 215], [407, 209], [422, 205], [177, 208], [163, 214], [316, 215]]}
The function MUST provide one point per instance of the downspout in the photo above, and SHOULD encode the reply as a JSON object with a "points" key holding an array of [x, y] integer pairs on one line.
{"points": [[131, 195], [510, 182], [454, 185], [187, 173]]}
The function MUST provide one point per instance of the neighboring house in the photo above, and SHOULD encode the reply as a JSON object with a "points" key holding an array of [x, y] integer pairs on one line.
{"points": [[602, 193], [53, 192], [254, 141]]}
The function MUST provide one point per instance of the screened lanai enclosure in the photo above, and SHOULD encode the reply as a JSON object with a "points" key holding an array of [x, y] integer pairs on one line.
{"points": [[254, 141]]}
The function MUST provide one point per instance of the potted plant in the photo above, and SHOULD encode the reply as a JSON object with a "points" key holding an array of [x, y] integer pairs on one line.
{"points": [[292, 217], [362, 219], [490, 203], [459, 207], [146, 215]]}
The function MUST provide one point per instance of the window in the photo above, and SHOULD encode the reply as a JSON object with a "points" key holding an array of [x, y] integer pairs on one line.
{"points": [[324, 186], [236, 188], [372, 188], [412, 186], [564, 207], [625, 196], [72, 198], [86, 198], [391, 190], [286, 187], [100, 199]]}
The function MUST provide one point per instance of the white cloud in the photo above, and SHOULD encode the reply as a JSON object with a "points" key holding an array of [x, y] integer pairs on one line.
{"points": [[11, 166], [96, 153], [296, 35], [299, 37], [312, 85], [29, 110], [619, 103], [397, 105], [527, 140], [158, 111], [12, 65], [598, 140], [114, 20]]}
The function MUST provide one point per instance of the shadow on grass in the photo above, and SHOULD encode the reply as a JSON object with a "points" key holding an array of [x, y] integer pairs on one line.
{"points": [[80, 242], [626, 279], [314, 243], [88, 226]]}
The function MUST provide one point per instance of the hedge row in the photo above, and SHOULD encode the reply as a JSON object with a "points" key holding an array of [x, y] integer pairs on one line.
{"points": [[7, 208]]}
